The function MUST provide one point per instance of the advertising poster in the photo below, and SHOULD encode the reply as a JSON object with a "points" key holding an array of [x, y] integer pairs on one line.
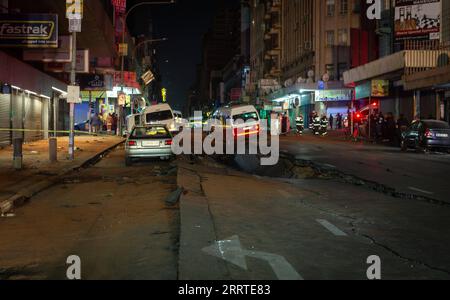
{"points": [[417, 20]]}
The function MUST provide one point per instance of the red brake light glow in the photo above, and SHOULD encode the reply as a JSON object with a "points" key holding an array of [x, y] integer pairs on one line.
{"points": [[428, 134], [131, 143], [169, 143]]}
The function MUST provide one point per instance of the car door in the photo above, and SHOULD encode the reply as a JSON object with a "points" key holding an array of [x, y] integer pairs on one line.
{"points": [[411, 135]]}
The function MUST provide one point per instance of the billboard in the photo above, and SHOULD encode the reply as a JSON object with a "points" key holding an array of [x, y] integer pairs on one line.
{"points": [[29, 30], [62, 54], [417, 20]]}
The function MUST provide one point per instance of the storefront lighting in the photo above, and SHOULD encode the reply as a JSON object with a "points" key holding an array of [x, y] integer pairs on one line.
{"points": [[16, 87], [30, 92], [45, 97], [59, 91]]}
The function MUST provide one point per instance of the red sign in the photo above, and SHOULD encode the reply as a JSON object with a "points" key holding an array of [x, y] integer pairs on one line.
{"points": [[120, 5], [129, 78]]}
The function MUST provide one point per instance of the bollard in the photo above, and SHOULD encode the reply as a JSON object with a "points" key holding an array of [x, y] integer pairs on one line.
{"points": [[18, 155], [53, 149]]}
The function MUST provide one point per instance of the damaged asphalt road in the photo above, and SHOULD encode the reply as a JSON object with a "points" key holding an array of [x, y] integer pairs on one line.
{"points": [[114, 218]]}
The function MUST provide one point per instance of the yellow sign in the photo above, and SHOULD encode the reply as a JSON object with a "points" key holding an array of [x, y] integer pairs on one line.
{"points": [[123, 49], [74, 9], [164, 94], [380, 88]]}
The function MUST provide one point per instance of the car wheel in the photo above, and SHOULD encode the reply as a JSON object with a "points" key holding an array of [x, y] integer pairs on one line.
{"points": [[128, 162]]}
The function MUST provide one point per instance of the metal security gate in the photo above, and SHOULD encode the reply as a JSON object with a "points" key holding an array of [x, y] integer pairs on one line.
{"points": [[5, 119], [33, 118]]}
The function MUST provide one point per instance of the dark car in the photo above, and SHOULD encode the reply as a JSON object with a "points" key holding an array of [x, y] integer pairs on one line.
{"points": [[427, 135], [82, 126]]}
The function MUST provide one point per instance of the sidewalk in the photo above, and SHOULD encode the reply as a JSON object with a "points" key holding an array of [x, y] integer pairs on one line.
{"points": [[38, 173]]}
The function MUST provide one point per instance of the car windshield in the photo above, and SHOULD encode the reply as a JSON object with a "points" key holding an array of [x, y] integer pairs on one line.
{"points": [[437, 125], [246, 117], [159, 116], [158, 132]]}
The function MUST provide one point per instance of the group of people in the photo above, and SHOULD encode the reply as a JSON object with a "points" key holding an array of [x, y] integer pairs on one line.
{"points": [[106, 123], [337, 123], [385, 128]]}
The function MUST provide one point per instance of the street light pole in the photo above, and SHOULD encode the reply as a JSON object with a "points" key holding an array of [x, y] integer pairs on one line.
{"points": [[124, 25]]}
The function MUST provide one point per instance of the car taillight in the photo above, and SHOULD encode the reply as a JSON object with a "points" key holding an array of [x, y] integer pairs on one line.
{"points": [[428, 134], [169, 143], [131, 143], [235, 132], [258, 128]]}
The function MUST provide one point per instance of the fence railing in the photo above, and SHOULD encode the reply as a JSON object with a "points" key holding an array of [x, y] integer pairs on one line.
{"points": [[422, 56]]}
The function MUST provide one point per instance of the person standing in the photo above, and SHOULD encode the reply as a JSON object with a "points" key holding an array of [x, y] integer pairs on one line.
{"points": [[331, 121]]}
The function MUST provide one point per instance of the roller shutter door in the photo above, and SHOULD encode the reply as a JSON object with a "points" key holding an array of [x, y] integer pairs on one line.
{"points": [[33, 118], [5, 119]]}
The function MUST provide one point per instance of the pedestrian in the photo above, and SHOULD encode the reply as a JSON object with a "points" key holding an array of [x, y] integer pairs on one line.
{"points": [[109, 123], [339, 121], [96, 123], [114, 122], [331, 121], [391, 129], [402, 125]]}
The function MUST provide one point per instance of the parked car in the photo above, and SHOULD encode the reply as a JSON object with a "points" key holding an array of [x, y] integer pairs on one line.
{"points": [[426, 135], [82, 126], [160, 114], [151, 141]]}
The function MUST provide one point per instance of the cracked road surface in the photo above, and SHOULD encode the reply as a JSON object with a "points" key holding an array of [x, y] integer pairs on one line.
{"points": [[325, 229], [423, 175], [114, 218]]}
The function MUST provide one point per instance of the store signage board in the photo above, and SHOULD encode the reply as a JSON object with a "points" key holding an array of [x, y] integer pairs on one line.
{"points": [[73, 94], [61, 54], [82, 65], [334, 95], [29, 30], [380, 88], [92, 82]]}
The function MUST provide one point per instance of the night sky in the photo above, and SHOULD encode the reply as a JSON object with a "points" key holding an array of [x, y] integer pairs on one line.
{"points": [[184, 24]]}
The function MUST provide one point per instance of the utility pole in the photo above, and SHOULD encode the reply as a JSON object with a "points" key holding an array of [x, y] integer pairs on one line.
{"points": [[74, 12], [72, 105]]}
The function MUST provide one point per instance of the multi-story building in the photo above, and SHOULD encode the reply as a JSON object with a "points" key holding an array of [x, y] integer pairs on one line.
{"points": [[413, 65]]}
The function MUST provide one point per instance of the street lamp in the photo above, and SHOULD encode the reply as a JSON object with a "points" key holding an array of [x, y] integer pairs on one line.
{"points": [[123, 42]]}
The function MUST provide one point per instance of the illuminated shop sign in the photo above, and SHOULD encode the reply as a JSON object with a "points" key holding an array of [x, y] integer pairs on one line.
{"points": [[334, 95], [29, 31]]}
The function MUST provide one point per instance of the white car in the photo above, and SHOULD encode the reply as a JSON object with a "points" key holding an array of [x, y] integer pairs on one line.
{"points": [[160, 114], [243, 119], [180, 122]]}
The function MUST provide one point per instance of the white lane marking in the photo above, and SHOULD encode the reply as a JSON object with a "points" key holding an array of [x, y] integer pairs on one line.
{"points": [[420, 191], [231, 251], [330, 166], [285, 194], [330, 227]]}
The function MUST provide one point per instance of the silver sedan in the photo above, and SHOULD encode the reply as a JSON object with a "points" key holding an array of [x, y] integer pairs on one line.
{"points": [[150, 141]]}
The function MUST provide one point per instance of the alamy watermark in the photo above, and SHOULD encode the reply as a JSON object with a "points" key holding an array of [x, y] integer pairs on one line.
{"points": [[374, 9], [230, 137]]}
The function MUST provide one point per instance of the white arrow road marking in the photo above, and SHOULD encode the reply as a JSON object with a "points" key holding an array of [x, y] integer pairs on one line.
{"points": [[330, 227], [420, 191], [231, 251]]}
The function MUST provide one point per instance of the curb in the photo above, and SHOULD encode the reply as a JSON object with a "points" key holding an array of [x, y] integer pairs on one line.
{"points": [[197, 231], [26, 194]]}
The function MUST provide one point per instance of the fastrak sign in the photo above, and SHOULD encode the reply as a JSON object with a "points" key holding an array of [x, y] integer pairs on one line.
{"points": [[29, 30]]}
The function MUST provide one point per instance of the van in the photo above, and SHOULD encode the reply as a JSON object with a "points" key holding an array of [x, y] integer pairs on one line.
{"points": [[243, 119], [180, 122], [160, 114], [132, 121]]}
